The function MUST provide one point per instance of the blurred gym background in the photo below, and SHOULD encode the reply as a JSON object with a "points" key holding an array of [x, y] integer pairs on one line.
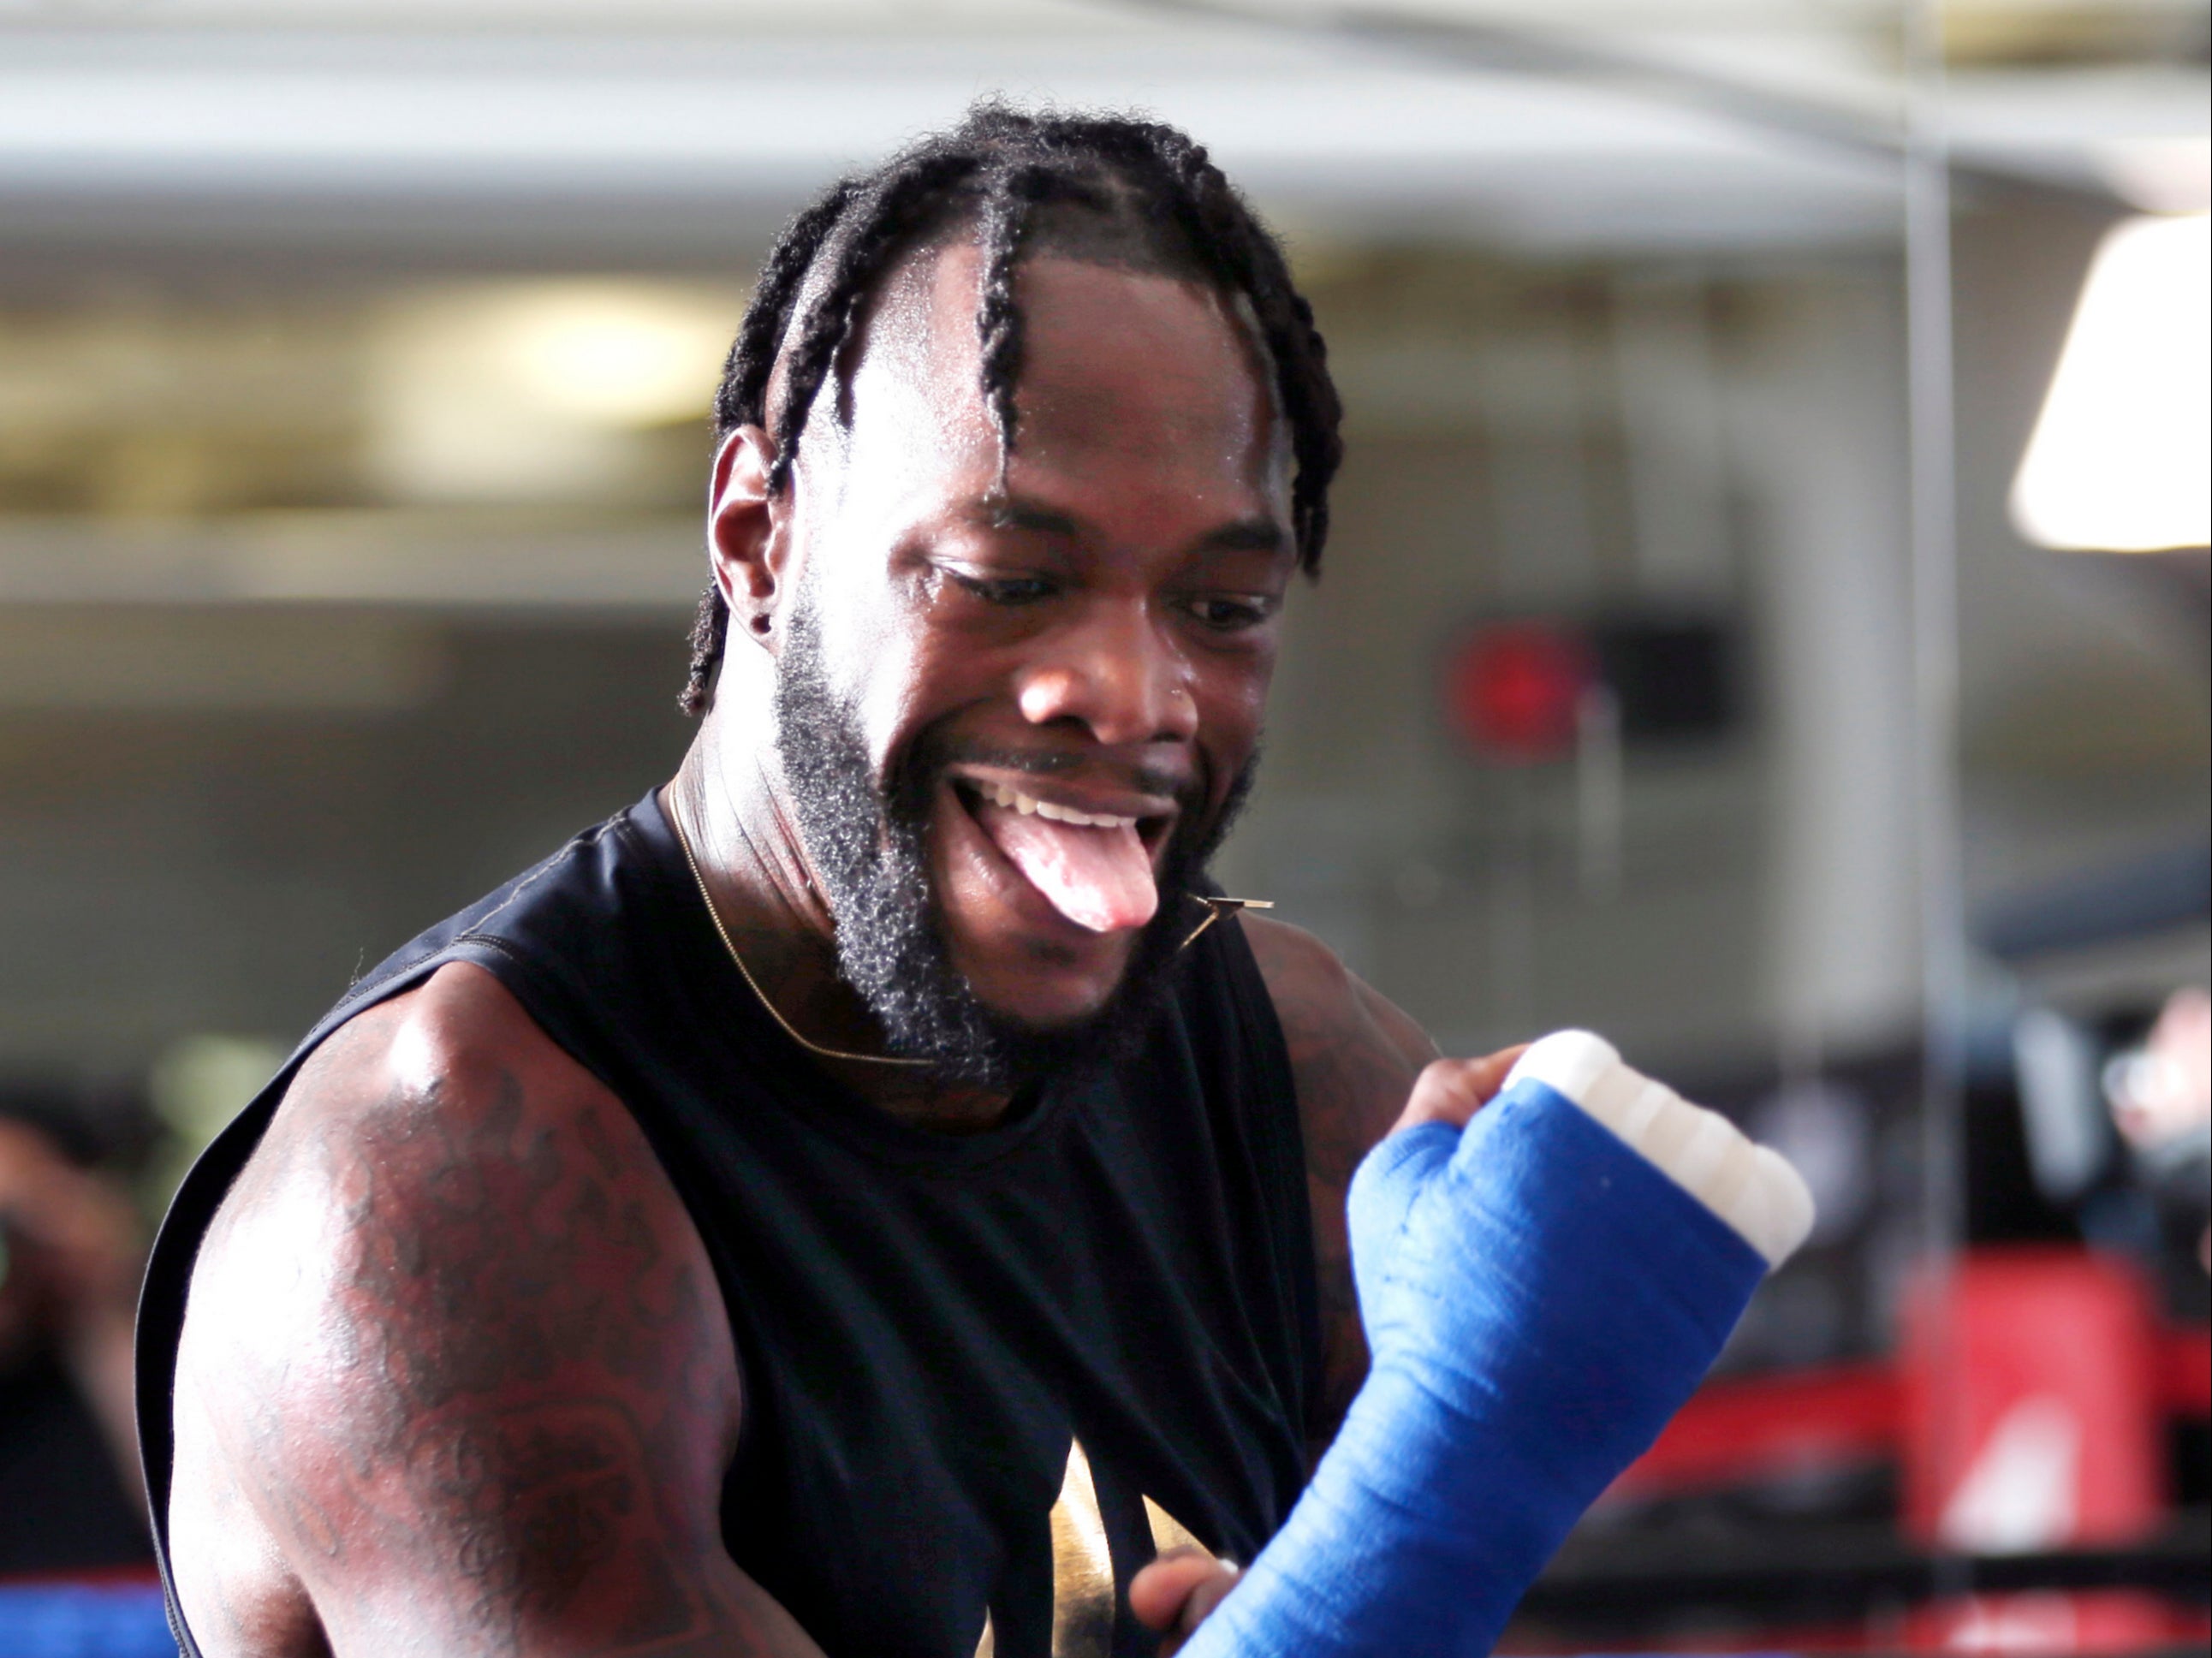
{"points": [[1759, 627]]}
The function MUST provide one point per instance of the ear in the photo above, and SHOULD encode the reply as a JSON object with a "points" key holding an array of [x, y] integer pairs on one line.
{"points": [[746, 537]]}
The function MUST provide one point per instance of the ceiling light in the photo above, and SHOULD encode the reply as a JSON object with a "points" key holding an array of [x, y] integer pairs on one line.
{"points": [[616, 354], [544, 391], [2121, 460]]}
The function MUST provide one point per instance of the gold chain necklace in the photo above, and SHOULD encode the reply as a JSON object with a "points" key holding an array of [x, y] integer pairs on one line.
{"points": [[729, 943], [1215, 910]]}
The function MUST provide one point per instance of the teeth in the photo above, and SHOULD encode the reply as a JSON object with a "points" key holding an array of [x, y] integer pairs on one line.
{"points": [[1000, 794]]}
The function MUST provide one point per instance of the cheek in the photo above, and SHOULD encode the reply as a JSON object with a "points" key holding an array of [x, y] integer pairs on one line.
{"points": [[885, 701], [1232, 701], [906, 678], [873, 654], [1232, 691]]}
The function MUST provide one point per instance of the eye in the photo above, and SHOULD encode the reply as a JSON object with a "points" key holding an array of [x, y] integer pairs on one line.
{"points": [[1229, 613], [1007, 589]]}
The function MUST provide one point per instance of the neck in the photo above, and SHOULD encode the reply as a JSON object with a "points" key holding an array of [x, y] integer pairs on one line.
{"points": [[728, 801]]}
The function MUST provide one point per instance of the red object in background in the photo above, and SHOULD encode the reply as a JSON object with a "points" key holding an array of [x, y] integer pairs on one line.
{"points": [[2052, 1362], [2035, 1624], [1735, 1432], [2063, 1624], [1512, 689], [1739, 1431], [2035, 1398], [2187, 1368], [1759, 1427]]}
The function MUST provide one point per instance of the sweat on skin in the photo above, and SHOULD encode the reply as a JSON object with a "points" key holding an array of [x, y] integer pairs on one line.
{"points": [[1087, 638], [1096, 636], [452, 1246]]}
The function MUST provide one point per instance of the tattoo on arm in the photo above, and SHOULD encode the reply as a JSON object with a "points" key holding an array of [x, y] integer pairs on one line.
{"points": [[483, 1386]]}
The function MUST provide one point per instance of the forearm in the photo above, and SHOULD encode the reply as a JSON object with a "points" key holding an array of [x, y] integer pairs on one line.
{"points": [[1543, 1290]]}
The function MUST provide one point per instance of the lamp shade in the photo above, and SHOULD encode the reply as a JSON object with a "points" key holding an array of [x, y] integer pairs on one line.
{"points": [[2121, 459]]}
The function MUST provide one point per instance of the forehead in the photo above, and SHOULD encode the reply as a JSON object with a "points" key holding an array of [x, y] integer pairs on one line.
{"points": [[1121, 369]]}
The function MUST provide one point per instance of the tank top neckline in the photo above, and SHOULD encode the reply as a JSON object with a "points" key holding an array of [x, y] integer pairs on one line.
{"points": [[808, 1089]]}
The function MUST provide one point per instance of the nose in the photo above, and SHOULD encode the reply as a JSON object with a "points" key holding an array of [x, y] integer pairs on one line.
{"points": [[1117, 672]]}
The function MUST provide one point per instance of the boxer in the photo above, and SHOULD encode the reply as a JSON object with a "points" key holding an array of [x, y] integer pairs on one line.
{"points": [[876, 1195]]}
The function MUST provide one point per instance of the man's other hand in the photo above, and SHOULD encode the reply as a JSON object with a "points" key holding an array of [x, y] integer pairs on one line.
{"points": [[1172, 1596]]}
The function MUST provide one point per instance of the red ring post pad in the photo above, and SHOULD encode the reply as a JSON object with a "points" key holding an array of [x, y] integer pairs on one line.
{"points": [[1539, 1299]]}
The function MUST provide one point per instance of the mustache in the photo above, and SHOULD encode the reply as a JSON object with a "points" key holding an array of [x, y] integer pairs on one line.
{"points": [[933, 753]]}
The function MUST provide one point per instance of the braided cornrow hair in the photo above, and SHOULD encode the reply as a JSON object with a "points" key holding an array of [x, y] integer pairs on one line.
{"points": [[997, 173]]}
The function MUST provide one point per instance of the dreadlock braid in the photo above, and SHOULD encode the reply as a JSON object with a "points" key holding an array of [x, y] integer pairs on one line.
{"points": [[999, 172], [886, 217], [742, 396], [1252, 263], [1007, 217]]}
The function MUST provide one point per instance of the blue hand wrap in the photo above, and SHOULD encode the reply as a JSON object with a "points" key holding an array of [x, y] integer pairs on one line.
{"points": [[1539, 1299]]}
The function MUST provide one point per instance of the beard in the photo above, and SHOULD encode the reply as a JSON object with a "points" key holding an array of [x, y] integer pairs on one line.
{"points": [[867, 843]]}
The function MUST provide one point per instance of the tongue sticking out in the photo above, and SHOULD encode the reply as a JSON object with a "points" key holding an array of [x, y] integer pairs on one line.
{"points": [[1100, 878]]}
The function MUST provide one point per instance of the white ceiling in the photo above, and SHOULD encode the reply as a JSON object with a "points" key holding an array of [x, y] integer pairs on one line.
{"points": [[670, 128]]}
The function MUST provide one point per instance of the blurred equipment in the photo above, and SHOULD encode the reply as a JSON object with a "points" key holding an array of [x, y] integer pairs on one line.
{"points": [[2160, 1095], [1512, 689], [1520, 691], [1524, 691], [2071, 1332], [2005, 1454], [82, 1620], [2034, 1404], [2038, 1510], [2121, 460], [2068, 1130], [2149, 892]]}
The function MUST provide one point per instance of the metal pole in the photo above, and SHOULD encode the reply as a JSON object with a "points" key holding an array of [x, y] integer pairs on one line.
{"points": [[1931, 425]]}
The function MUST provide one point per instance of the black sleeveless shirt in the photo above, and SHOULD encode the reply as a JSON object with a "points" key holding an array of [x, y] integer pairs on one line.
{"points": [[983, 1376]]}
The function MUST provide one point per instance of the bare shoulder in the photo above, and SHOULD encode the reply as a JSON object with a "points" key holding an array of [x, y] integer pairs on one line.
{"points": [[1353, 1059], [1353, 1054], [455, 1361]]}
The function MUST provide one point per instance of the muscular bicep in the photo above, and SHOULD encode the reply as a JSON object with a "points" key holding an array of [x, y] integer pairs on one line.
{"points": [[1353, 1059], [459, 1347]]}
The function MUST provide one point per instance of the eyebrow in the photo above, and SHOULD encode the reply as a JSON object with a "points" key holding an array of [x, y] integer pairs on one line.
{"points": [[1247, 534], [1244, 535], [1012, 513]]}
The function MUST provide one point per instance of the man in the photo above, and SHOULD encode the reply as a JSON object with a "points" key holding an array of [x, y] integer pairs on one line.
{"points": [[869, 1197]]}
